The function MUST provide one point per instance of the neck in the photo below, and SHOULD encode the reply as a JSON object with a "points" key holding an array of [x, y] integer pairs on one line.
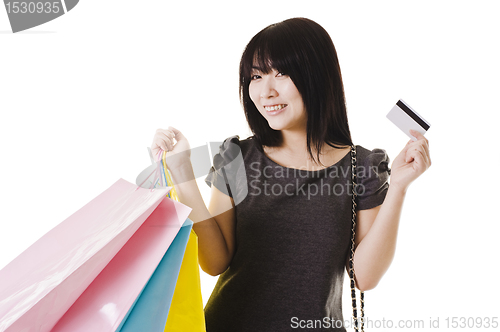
{"points": [[295, 146], [294, 142]]}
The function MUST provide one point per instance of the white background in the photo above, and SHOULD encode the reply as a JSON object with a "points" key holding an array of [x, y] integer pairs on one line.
{"points": [[81, 98]]}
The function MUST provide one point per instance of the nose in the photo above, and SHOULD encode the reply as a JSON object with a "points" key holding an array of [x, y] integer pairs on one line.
{"points": [[268, 88]]}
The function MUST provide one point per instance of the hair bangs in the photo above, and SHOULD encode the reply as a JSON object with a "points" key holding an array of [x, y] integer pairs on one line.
{"points": [[269, 50]]}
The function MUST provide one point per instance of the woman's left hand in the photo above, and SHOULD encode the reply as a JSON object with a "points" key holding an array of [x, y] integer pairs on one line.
{"points": [[411, 162]]}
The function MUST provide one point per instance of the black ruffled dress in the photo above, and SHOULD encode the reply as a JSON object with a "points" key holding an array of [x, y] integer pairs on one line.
{"points": [[293, 230]]}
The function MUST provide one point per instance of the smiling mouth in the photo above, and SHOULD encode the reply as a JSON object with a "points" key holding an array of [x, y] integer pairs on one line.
{"points": [[275, 108]]}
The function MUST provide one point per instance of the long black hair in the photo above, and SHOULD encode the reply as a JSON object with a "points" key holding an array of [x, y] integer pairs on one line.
{"points": [[303, 50]]}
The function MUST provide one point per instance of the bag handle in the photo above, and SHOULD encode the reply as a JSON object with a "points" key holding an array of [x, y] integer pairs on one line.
{"points": [[165, 172], [351, 254]]}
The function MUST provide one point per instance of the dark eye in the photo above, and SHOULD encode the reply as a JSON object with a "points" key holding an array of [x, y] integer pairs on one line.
{"points": [[280, 74], [254, 77]]}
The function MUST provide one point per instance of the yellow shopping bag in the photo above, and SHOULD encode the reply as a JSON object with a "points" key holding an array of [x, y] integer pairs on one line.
{"points": [[186, 311]]}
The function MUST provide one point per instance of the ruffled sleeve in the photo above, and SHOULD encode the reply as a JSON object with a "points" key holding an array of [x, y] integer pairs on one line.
{"points": [[228, 171], [373, 174]]}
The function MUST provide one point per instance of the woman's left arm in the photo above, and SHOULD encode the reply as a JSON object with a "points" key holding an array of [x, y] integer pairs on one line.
{"points": [[377, 228]]}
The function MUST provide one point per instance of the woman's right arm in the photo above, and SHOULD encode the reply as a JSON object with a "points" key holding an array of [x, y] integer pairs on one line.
{"points": [[215, 226]]}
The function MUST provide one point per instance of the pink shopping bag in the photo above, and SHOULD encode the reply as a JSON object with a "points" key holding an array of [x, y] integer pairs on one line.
{"points": [[40, 286]]}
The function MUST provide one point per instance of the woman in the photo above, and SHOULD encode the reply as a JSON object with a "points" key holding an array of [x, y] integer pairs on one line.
{"points": [[278, 226]]}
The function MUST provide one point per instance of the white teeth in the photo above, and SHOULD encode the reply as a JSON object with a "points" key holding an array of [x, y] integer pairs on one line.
{"points": [[274, 108]]}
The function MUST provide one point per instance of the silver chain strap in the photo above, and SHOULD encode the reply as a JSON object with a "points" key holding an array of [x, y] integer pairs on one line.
{"points": [[351, 255]]}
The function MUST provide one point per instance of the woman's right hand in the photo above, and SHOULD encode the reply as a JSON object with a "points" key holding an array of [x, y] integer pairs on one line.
{"points": [[177, 153]]}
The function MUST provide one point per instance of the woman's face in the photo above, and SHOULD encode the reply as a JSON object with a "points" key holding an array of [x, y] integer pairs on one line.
{"points": [[278, 100]]}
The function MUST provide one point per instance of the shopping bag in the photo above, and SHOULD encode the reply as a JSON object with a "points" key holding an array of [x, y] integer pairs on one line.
{"points": [[105, 303], [43, 283], [149, 312], [186, 311]]}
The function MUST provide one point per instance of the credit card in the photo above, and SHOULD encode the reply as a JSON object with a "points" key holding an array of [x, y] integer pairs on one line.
{"points": [[406, 118]]}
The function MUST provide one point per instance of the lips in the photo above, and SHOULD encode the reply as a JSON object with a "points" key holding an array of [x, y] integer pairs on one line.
{"points": [[275, 109], [272, 108]]}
